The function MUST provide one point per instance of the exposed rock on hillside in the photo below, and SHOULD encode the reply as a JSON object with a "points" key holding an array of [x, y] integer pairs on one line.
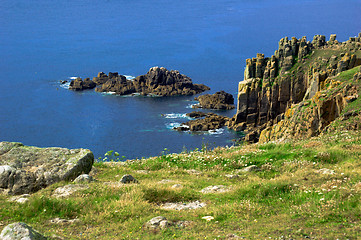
{"points": [[25, 169], [158, 81], [297, 71], [20, 231], [219, 100]]}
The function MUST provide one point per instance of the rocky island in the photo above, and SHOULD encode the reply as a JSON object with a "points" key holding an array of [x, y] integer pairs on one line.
{"points": [[158, 82]]}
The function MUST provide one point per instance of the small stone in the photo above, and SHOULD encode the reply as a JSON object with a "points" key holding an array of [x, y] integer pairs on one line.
{"points": [[128, 179], [231, 176], [252, 168], [183, 206], [176, 186], [164, 181], [20, 231], [84, 178], [63, 221], [159, 222], [215, 189], [208, 218], [20, 199], [326, 171], [194, 172]]}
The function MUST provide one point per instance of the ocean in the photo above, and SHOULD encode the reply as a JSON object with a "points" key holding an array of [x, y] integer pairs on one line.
{"points": [[43, 42]]}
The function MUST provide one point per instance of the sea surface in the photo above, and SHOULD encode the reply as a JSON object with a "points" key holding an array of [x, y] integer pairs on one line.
{"points": [[43, 42]]}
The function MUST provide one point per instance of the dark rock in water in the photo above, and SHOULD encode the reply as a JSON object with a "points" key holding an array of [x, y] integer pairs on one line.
{"points": [[211, 122], [63, 81], [158, 81], [78, 84], [196, 114], [219, 100], [26, 169], [20, 230]]}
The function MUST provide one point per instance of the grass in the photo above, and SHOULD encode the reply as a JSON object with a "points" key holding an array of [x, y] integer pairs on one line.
{"points": [[289, 196]]}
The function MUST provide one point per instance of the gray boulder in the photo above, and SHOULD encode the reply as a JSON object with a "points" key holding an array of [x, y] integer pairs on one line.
{"points": [[128, 179], [20, 231], [27, 169], [84, 178], [159, 222]]}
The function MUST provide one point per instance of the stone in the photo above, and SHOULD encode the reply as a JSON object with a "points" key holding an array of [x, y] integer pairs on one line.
{"points": [[177, 186], [194, 172], [215, 189], [20, 199], [27, 169], [128, 179], [326, 171], [208, 218], [64, 221], [183, 206], [219, 100], [20, 231], [84, 178], [156, 223], [252, 168], [196, 114], [68, 190], [78, 84], [232, 176]]}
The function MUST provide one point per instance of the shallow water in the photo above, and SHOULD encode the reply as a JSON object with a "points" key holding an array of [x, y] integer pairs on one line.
{"points": [[43, 42]]}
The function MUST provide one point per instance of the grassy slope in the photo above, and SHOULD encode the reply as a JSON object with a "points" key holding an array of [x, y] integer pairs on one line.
{"points": [[288, 197]]}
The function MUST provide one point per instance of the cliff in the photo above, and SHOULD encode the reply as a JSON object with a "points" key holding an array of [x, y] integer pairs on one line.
{"points": [[297, 71]]}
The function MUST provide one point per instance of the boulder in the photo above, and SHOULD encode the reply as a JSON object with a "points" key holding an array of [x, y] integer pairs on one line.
{"points": [[27, 169], [84, 178], [20, 231], [66, 191], [128, 179], [156, 223], [219, 100]]}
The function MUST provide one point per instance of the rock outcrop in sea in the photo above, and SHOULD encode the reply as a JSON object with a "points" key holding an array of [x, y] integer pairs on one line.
{"points": [[298, 71], [27, 169], [209, 121], [158, 81], [219, 100]]}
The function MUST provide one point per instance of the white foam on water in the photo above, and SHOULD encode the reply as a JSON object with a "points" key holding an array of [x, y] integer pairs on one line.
{"points": [[175, 125], [216, 131], [65, 85], [108, 93], [72, 78], [191, 105], [176, 115]]}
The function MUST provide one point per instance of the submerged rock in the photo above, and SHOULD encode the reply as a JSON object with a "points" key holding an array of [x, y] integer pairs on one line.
{"points": [[27, 169]]}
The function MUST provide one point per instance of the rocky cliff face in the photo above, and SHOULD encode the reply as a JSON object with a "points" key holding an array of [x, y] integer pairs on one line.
{"points": [[296, 72]]}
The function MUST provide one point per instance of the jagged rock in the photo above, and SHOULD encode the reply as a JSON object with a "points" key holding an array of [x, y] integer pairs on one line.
{"points": [[20, 230], [78, 84], [219, 100], [66, 191], [210, 122], [128, 179], [158, 81], [27, 169], [84, 178]]}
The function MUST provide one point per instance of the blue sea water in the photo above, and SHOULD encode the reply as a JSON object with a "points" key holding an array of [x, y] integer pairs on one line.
{"points": [[43, 42]]}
